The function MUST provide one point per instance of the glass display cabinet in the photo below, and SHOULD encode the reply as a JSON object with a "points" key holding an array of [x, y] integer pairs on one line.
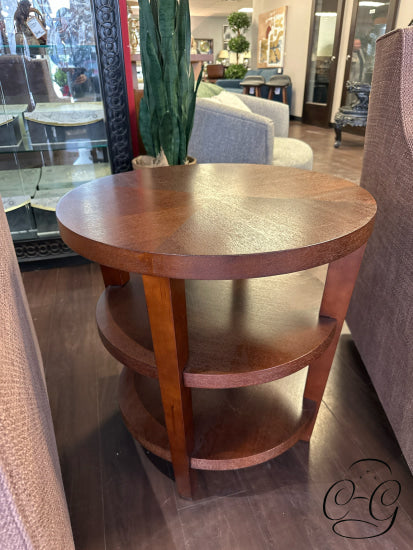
{"points": [[64, 117]]}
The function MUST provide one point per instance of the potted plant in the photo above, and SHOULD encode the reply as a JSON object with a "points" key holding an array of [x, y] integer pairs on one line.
{"points": [[238, 22], [167, 107]]}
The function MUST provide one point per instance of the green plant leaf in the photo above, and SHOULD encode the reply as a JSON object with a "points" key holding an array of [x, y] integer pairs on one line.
{"points": [[169, 90], [238, 21], [235, 71], [238, 44]]}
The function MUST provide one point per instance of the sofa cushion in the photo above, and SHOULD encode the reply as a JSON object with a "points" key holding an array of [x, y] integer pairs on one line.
{"points": [[293, 153], [230, 100], [207, 89], [252, 80]]}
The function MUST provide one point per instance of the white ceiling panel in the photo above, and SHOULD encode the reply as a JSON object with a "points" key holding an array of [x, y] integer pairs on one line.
{"points": [[210, 8]]}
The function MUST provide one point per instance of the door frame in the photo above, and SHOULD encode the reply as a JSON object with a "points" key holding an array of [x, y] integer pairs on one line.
{"points": [[390, 24], [319, 114]]}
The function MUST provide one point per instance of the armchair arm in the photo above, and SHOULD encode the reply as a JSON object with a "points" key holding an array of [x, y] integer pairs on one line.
{"points": [[224, 134], [278, 112]]}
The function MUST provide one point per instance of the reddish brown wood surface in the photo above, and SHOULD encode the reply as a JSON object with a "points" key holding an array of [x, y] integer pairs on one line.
{"points": [[113, 276], [167, 316], [216, 221], [235, 428], [339, 285], [240, 332]]}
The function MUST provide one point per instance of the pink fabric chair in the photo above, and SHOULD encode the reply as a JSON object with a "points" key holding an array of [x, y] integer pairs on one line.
{"points": [[381, 311], [33, 509]]}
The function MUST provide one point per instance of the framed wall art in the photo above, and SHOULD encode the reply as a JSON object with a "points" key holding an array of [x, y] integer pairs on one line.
{"points": [[271, 38], [204, 46], [226, 36]]}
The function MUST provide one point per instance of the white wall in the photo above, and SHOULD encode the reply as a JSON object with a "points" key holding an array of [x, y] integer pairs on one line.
{"points": [[209, 27], [296, 49], [296, 43], [405, 13], [212, 27]]}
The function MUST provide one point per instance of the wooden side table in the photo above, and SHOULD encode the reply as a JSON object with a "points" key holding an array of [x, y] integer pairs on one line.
{"points": [[208, 304]]}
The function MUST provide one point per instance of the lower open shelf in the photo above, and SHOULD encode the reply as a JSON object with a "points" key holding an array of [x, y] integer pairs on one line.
{"points": [[234, 428]]}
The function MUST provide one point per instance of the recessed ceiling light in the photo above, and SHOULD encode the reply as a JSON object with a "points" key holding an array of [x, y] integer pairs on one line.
{"points": [[247, 10], [371, 4]]}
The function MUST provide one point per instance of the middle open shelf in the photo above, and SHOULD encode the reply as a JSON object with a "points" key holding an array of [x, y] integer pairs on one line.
{"points": [[240, 333]]}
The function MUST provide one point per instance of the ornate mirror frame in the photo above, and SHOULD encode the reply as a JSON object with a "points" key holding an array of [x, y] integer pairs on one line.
{"points": [[109, 47]]}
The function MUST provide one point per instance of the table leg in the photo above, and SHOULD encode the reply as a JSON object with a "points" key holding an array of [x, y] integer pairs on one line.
{"points": [[337, 130], [112, 276], [166, 303], [339, 285]]}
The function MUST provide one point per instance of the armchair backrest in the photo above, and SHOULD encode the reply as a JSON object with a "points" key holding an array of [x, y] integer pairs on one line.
{"points": [[381, 311], [224, 134], [20, 75]]}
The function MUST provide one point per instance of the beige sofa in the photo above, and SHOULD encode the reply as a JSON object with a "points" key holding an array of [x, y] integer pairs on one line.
{"points": [[381, 311], [33, 510]]}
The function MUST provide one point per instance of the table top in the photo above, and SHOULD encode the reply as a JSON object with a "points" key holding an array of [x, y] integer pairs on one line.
{"points": [[216, 221]]}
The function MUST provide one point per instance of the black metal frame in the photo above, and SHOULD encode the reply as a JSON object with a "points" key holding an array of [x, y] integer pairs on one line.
{"points": [[319, 115]]}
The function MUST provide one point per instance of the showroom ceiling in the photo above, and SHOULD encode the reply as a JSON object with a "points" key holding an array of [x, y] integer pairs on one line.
{"points": [[217, 7]]}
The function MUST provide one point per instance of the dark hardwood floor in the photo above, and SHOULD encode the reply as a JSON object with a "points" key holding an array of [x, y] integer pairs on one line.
{"points": [[118, 500], [345, 162]]}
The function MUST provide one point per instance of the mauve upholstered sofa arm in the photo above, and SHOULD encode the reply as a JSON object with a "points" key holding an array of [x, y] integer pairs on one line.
{"points": [[33, 508], [380, 315], [224, 134], [278, 112]]}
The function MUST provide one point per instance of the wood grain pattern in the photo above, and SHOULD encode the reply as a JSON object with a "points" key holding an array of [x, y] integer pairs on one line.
{"points": [[273, 505], [277, 504], [340, 281], [216, 221], [235, 428], [182, 223], [165, 299], [113, 276], [240, 332]]}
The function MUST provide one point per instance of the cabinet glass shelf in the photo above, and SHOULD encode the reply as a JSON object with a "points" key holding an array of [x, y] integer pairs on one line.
{"points": [[52, 119]]}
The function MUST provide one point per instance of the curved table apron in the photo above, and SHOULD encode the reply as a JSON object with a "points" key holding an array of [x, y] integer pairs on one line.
{"points": [[203, 308]]}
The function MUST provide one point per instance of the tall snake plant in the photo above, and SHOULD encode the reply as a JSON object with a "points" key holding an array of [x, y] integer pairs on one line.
{"points": [[167, 108]]}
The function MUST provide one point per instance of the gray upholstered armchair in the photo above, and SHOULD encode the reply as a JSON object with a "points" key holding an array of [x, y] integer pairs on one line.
{"points": [[381, 311], [223, 133]]}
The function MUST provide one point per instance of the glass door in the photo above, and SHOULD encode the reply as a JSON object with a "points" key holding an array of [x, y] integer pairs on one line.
{"points": [[370, 20], [322, 61]]}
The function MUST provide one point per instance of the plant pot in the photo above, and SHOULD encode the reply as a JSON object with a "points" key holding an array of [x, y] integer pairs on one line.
{"points": [[146, 161]]}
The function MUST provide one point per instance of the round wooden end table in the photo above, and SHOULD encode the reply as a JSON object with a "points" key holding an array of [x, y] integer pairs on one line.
{"points": [[211, 303]]}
